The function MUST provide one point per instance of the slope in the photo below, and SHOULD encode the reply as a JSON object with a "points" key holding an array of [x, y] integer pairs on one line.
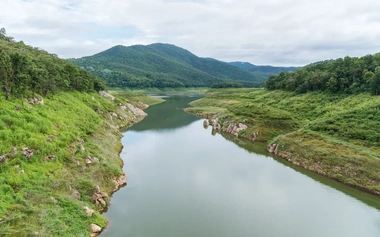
{"points": [[161, 65], [265, 70]]}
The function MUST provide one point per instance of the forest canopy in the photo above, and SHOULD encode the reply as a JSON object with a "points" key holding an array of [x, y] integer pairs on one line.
{"points": [[347, 75], [26, 70]]}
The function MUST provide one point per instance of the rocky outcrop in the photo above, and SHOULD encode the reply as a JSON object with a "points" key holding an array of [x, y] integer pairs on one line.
{"points": [[273, 148], [214, 123], [36, 101], [89, 211], [108, 96], [27, 152], [95, 229], [119, 182], [234, 128], [100, 199], [206, 123], [228, 127], [91, 160], [136, 111]]}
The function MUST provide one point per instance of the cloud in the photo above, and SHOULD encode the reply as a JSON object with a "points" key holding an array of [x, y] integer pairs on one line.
{"points": [[286, 32]]}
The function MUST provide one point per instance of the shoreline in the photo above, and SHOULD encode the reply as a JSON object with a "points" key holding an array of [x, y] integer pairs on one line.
{"points": [[134, 115], [278, 146]]}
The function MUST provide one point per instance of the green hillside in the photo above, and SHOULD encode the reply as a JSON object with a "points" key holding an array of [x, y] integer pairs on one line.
{"points": [[59, 144], [347, 75], [162, 65], [25, 70], [335, 135], [265, 70]]}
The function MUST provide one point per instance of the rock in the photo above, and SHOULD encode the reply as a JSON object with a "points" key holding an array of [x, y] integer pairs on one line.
{"points": [[89, 211], [114, 115], [122, 180], [80, 140], [21, 172], [88, 161], [27, 152], [17, 166], [206, 123], [135, 110], [49, 139], [273, 148], [95, 228], [75, 194], [50, 157], [2, 158], [81, 147], [108, 96], [141, 105]]}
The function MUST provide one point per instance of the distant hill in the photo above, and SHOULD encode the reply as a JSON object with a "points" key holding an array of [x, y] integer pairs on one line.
{"points": [[163, 65], [266, 70]]}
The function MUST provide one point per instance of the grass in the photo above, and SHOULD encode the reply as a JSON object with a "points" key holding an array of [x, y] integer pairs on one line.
{"points": [[335, 135], [36, 193]]}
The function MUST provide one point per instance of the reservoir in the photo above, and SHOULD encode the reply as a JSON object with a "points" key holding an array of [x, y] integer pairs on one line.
{"points": [[185, 182]]}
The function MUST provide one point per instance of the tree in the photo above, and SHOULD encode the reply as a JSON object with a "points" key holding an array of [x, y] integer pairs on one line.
{"points": [[5, 72], [374, 82]]}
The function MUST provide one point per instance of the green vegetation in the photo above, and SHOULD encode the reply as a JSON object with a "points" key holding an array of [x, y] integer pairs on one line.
{"points": [[56, 151], [266, 70], [25, 71], [349, 75], [162, 66], [227, 85], [332, 134]]}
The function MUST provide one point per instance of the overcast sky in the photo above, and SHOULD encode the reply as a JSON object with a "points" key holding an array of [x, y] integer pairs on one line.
{"points": [[275, 32]]}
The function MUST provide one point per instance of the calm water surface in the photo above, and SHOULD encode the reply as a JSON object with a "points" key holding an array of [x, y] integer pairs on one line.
{"points": [[185, 182]]}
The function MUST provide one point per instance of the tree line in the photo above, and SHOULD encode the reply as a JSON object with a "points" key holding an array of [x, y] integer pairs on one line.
{"points": [[348, 75], [26, 70]]}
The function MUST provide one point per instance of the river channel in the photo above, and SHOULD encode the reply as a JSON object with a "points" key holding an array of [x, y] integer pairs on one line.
{"points": [[185, 182]]}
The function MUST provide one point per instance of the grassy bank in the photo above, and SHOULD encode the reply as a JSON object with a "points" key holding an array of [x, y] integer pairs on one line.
{"points": [[54, 157], [334, 135]]}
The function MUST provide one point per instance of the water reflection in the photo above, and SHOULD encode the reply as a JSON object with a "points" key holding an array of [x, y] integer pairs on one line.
{"points": [[167, 115]]}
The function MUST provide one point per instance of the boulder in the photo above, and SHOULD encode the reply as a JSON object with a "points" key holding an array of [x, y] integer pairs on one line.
{"points": [[27, 152], [273, 148], [108, 96], [95, 228], [136, 111], [89, 211], [206, 123]]}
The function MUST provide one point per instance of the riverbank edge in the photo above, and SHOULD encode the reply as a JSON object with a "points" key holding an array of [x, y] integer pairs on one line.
{"points": [[115, 130], [285, 147]]}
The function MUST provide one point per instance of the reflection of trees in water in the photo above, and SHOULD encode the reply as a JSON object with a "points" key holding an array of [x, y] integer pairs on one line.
{"points": [[167, 115], [260, 148]]}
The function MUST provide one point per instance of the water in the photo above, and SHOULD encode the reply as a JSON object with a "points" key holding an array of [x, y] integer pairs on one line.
{"points": [[185, 182]]}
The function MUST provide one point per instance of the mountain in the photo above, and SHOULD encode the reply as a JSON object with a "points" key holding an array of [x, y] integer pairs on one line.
{"points": [[266, 70], [162, 65]]}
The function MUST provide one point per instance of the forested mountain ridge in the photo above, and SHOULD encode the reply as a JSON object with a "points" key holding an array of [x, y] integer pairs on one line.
{"points": [[347, 75], [162, 65], [25, 70], [265, 70]]}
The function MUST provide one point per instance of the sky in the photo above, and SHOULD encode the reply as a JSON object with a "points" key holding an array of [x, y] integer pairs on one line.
{"points": [[270, 32]]}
